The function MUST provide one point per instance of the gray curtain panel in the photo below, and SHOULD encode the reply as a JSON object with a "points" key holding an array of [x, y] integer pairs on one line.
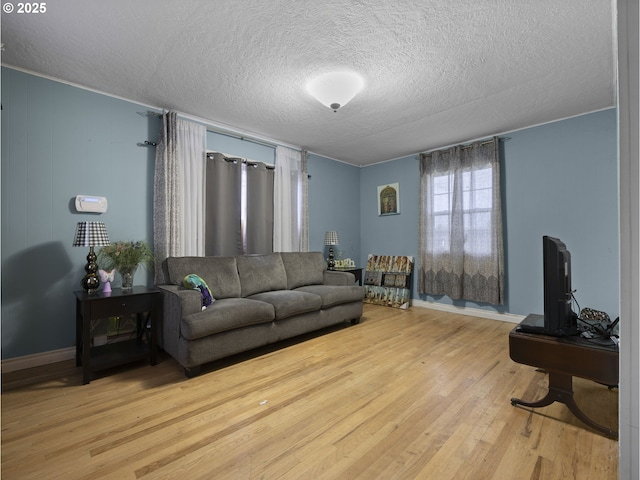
{"points": [[259, 208], [235, 225], [223, 208], [460, 232]]}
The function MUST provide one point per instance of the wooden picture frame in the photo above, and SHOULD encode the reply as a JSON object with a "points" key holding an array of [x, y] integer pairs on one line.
{"points": [[389, 199]]}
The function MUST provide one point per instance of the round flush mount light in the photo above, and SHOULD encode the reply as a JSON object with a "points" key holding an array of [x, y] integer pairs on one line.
{"points": [[335, 89]]}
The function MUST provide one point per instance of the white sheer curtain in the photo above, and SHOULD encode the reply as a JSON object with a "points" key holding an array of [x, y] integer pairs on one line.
{"points": [[289, 215], [178, 196], [191, 153]]}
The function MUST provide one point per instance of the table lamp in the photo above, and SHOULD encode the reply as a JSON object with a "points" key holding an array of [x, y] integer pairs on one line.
{"points": [[91, 234], [331, 238]]}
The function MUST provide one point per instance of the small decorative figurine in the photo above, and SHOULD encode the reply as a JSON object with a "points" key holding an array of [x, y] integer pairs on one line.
{"points": [[107, 278]]}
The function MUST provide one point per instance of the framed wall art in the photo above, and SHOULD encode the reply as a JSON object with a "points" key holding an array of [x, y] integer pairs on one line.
{"points": [[389, 199]]}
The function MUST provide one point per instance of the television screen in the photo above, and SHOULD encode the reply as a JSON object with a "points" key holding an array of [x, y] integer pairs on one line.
{"points": [[559, 319]]}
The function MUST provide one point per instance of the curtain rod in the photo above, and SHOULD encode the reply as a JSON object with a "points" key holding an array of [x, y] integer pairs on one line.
{"points": [[464, 146], [240, 137], [235, 158], [223, 131]]}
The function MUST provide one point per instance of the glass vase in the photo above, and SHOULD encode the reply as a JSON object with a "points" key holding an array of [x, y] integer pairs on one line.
{"points": [[127, 274]]}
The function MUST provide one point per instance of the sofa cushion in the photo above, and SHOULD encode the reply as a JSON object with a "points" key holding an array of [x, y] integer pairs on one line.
{"points": [[226, 314], [220, 273], [261, 273], [335, 295], [303, 268], [288, 303]]}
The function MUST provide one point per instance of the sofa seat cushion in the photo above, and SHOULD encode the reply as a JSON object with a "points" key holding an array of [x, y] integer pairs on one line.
{"points": [[226, 314], [332, 295], [288, 303]]}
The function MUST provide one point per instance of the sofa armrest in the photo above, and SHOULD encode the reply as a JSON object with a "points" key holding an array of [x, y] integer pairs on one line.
{"points": [[177, 303], [332, 277], [187, 300]]}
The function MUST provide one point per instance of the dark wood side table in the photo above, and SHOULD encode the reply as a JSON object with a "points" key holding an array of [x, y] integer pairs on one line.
{"points": [[357, 272], [564, 358], [91, 307]]}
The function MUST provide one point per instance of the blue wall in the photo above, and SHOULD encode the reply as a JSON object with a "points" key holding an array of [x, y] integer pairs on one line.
{"points": [[334, 193], [59, 141], [393, 234], [559, 179], [562, 180]]}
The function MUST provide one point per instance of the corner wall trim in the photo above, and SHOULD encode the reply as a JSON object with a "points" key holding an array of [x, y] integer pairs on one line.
{"points": [[474, 312], [38, 359]]}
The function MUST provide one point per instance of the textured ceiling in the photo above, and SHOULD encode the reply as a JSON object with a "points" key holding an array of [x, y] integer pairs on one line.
{"points": [[437, 72]]}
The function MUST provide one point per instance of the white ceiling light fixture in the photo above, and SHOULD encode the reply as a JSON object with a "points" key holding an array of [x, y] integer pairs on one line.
{"points": [[335, 89]]}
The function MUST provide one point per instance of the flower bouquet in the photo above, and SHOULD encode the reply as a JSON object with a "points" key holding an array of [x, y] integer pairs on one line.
{"points": [[125, 257]]}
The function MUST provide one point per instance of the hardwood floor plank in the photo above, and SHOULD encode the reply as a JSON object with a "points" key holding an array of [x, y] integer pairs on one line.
{"points": [[416, 394]]}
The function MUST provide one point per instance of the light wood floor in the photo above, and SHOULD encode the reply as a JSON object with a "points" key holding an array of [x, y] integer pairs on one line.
{"points": [[413, 394]]}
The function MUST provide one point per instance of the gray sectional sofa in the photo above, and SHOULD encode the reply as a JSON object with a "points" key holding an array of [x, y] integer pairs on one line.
{"points": [[258, 300]]}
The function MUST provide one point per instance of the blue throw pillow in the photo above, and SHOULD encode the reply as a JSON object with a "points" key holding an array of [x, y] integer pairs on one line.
{"points": [[194, 282]]}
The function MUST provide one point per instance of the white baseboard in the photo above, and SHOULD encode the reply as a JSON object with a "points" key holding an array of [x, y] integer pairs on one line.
{"points": [[475, 312], [38, 359]]}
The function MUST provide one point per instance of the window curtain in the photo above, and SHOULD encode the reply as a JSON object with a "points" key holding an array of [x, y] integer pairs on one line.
{"points": [[239, 206], [290, 232], [304, 247], [258, 229], [178, 193], [223, 205], [460, 224]]}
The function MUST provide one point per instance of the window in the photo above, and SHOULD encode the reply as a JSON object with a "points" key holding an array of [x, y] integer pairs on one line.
{"points": [[476, 210], [461, 223]]}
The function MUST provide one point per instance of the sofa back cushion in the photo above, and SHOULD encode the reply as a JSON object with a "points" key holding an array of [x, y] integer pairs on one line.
{"points": [[220, 273], [303, 268], [261, 273]]}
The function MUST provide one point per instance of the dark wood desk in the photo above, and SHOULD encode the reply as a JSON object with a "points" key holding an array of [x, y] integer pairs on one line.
{"points": [[564, 358]]}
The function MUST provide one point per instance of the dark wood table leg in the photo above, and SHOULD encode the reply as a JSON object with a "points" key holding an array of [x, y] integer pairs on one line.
{"points": [[86, 343], [561, 390], [78, 334]]}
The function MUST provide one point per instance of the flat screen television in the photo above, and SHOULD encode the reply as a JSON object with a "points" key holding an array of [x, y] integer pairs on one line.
{"points": [[559, 318]]}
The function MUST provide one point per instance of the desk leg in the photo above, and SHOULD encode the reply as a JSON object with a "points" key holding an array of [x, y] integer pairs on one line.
{"points": [[561, 390]]}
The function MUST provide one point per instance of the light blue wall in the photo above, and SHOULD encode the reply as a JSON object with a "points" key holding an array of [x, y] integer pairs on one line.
{"points": [[334, 204], [562, 180], [393, 234], [59, 141], [559, 179]]}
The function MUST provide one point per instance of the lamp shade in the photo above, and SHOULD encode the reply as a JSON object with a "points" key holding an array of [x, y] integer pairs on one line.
{"points": [[331, 238], [91, 234], [335, 89]]}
